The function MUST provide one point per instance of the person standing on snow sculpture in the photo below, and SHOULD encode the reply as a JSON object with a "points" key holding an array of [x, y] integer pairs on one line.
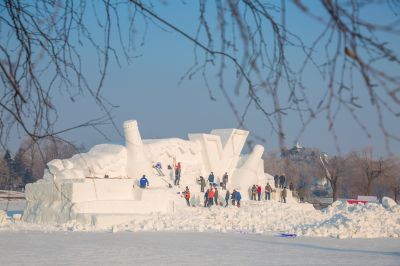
{"points": [[216, 196], [253, 192], [225, 180], [259, 192], [227, 197], [276, 177], [282, 181], [158, 168], [210, 197], [177, 174], [186, 193], [143, 182], [233, 197], [211, 178], [283, 195], [206, 198], [268, 191], [202, 184], [238, 198], [301, 193], [291, 186]]}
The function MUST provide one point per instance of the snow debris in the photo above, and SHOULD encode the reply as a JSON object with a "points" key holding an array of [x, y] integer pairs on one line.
{"points": [[388, 203], [341, 220], [3, 217]]}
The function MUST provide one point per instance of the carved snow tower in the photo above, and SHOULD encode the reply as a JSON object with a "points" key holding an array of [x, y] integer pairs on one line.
{"points": [[137, 162]]}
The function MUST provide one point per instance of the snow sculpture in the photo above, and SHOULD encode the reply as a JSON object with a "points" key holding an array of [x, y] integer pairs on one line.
{"points": [[100, 187], [247, 175]]}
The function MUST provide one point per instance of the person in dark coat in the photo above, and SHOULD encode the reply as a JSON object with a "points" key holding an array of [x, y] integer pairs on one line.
{"points": [[301, 193], [268, 191], [225, 180], [253, 192], [211, 178], [282, 181], [276, 177], [233, 197], [206, 198], [227, 197], [216, 196], [291, 186], [283, 195], [202, 184]]}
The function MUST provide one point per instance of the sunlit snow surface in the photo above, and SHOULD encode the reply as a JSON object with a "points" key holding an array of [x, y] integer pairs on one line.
{"points": [[228, 236], [189, 248]]}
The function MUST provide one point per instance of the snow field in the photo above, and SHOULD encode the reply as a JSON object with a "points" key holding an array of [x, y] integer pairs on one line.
{"points": [[189, 248]]}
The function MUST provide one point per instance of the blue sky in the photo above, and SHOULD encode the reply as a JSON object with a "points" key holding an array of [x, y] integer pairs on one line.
{"points": [[148, 90]]}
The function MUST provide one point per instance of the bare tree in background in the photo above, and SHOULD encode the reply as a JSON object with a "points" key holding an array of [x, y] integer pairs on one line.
{"points": [[392, 176], [354, 181], [371, 169], [4, 173], [273, 163], [333, 170], [41, 58], [34, 155]]}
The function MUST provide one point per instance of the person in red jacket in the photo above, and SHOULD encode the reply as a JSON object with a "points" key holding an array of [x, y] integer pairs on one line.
{"points": [[187, 196], [259, 192], [178, 170], [211, 197]]}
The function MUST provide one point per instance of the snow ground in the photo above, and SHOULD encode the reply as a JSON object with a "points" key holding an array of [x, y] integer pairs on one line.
{"points": [[177, 244], [189, 248]]}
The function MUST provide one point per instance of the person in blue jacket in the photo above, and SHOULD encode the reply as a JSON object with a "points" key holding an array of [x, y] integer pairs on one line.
{"points": [[211, 178], [144, 182], [238, 198]]}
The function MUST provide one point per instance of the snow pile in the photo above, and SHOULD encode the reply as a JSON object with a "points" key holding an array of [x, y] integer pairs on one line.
{"points": [[3, 217], [340, 220], [343, 220], [388, 203]]}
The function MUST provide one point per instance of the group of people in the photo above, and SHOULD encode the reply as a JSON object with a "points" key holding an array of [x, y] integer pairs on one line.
{"points": [[256, 192], [211, 197], [212, 181], [279, 181]]}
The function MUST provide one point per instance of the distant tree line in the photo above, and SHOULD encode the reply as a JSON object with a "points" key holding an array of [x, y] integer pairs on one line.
{"points": [[29, 161], [357, 173]]}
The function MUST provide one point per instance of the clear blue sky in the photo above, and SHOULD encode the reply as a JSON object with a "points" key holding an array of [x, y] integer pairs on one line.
{"points": [[147, 90]]}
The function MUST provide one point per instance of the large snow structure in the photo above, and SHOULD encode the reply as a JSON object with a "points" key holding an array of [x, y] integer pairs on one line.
{"points": [[100, 187]]}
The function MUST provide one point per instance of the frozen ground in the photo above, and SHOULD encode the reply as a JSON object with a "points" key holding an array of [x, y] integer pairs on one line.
{"points": [[171, 248], [27, 244]]}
